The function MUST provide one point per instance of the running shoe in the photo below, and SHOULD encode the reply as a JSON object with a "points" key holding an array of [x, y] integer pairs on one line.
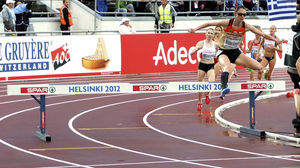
{"points": [[268, 92], [224, 92], [207, 99], [199, 107], [249, 69]]}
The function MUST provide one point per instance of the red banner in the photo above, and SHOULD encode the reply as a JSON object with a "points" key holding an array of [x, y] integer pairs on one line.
{"points": [[153, 53]]}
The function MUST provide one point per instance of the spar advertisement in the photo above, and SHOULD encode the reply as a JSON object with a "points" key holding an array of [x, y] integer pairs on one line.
{"points": [[59, 56], [154, 53]]}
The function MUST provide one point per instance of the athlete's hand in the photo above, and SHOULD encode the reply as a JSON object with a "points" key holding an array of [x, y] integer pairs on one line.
{"points": [[278, 41], [191, 30]]}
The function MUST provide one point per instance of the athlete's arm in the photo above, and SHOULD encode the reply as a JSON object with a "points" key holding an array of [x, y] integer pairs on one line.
{"points": [[220, 23], [250, 47], [260, 45], [198, 46], [256, 31], [279, 47]]}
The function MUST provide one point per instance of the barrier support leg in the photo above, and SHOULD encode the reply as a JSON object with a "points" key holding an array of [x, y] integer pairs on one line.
{"points": [[251, 130], [42, 133]]}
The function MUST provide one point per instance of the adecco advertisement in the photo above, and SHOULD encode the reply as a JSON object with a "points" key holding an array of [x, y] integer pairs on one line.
{"points": [[152, 53], [59, 56]]}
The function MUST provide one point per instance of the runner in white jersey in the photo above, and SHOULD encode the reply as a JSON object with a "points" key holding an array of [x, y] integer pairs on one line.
{"points": [[206, 65]]}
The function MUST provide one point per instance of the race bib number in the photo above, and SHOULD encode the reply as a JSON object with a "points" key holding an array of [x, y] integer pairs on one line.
{"points": [[232, 42]]}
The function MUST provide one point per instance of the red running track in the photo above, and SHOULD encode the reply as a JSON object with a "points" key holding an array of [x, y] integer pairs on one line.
{"points": [[142, 130]]}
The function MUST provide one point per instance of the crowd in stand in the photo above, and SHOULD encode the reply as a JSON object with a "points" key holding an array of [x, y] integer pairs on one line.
{"points": [[191, 8], [14, 16]]}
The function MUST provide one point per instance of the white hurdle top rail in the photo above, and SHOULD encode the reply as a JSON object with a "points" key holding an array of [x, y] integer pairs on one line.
{"points": [[165, 87]]}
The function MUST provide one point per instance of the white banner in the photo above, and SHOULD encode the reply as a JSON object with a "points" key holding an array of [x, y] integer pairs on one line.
{"points": [[30, 56], [103, 88]]}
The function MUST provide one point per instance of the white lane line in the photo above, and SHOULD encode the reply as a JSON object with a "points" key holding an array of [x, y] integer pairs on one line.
{"points": [[33, 108], [32, 153], [125, 149], [145, 120], [60, 103], [163, 162]]}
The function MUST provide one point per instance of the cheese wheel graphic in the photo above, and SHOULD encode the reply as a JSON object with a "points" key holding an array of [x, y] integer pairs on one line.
{"points": [[99, 59]]}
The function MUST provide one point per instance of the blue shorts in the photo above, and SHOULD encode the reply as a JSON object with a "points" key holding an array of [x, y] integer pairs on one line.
{"points": [[269, 58]]}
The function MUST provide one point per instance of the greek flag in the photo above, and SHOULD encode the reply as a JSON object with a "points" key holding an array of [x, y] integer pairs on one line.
{"points": [[281, 9]]}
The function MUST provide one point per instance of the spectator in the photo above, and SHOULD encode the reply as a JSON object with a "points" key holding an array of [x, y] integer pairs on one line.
{"points": [[102, 6], [249, 4], [165, 17], [125, 27], [23, 13], [124, 7], [144, 6], [178, 6], [263, 6], [211, 5], [197, 6], [230, 6], [9, 16], [65, 17], [220, 6], [2, 2]]}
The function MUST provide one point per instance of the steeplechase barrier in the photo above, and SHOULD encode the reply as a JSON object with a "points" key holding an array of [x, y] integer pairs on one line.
{"points": [[162, 87]]}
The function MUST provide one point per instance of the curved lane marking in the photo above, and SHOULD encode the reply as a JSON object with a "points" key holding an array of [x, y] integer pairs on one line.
{"points": [[145, 118], [125, 149]]}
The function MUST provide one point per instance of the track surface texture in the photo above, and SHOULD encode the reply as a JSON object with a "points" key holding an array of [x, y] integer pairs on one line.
{"points": [[143, 130]]}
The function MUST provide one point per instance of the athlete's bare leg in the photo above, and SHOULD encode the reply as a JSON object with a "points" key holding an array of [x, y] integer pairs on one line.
{"points": [[297, 103], [211, 77], [271, 68], [245, 61], [217, 69], [264, 64], [225, 64], [201, 75], [252, 76], [227, 69]]}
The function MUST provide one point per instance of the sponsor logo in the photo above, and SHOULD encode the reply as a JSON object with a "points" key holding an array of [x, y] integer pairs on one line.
{"points": [[20, 56], [146, 88], [60, 56], [255, 86], [175, 55], [34, 90], [52, 89], [163, 87]]}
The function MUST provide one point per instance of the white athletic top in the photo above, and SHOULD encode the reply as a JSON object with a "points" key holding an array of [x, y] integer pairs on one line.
{"points": [[208, 53], [268, 43]]}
